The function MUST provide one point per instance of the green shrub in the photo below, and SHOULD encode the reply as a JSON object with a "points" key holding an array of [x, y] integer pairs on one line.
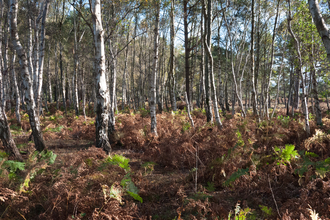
{"points": [[284, 156], [284, 120]]}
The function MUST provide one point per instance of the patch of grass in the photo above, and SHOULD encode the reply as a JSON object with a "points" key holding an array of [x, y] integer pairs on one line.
{"points": [[235, 176], [210, 187], [285, 120], [15, 128], [148, 167], [199, 196], [57, 129], [268, 211]]}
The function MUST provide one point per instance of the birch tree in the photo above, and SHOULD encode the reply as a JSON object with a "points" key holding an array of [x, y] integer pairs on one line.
{"points": [[41, 55], [172, 70], [297, 46], [254, 95], [5, 135], [153, 76], [16, 90], [322, 28], [210, 65], [27, 84], [102, 92]]}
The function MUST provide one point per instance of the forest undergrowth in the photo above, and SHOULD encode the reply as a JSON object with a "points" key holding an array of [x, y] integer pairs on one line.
{"points": [[247, 170]]}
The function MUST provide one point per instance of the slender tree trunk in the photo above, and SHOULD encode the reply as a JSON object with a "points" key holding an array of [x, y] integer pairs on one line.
{"points": [[83, 91], [219, 71], [278, 84], [5, 70], [315, 91], [209, 52], [48, 77], [102, 92], [172, 70], [30, 48], [36, 63], [209, 114], [271, 60], [113, 100], [133, 66], [254, 95], [5, 135], [124, 88], [186, 47], [153, 78], [320, 25], [27, 85], [202, 74], [299, 71], [18, 99], [188, 110], [41, 57], [62, 79], [76, 67], [57, 86]]}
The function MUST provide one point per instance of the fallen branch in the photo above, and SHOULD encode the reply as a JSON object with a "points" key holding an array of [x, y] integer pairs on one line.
{"points": [[270, 186]]}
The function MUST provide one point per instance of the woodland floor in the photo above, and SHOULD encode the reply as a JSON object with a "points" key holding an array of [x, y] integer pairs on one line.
{"points": [[239, 169]]}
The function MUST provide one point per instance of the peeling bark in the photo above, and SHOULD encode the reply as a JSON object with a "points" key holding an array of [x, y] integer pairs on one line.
{"points": [[102, 92], [27, 84]]}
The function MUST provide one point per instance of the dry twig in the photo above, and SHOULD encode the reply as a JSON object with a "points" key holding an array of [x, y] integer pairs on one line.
{"points": [[270, 186]]}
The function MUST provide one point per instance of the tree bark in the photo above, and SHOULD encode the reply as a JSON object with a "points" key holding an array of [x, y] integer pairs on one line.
{"points": [[207, 38], [271, 60], [102, 92], [315, 90], [254, 95], [124, 87], [320, 25], [299, 71], [27, 85], [16, 90], [41, 57], [208, 50], [76, 67], [62, 79], [172, 70], [153, 78], [48, 77]]}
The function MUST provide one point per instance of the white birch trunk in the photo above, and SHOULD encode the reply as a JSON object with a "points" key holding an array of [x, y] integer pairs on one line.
{"points": [[30, 48], [75, 69], [16, 90], [5, 135], [5, 70], [27, 84], [172, 70], [49, 78], [153, 77], [211, 74], [271, 61], [102, 92], [320, 25], [124, 87], [41, 57], [300, 73]]}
